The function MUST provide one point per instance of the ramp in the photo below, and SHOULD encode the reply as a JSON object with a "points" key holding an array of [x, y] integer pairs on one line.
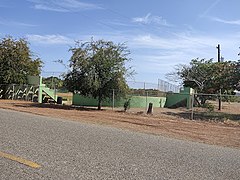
{"points": [[49, 92]]}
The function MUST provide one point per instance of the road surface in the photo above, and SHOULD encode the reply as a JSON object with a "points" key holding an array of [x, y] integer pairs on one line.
{"points": [[72, 150]]}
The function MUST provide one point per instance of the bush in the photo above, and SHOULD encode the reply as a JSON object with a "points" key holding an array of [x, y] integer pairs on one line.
{"points": [[209, 106], [127, 105]]}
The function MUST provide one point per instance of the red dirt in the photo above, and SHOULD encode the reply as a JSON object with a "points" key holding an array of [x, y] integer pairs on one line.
{"points": [[161, 123]]}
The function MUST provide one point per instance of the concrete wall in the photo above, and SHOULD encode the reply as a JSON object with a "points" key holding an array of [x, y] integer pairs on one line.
{"points": [[136, 101], [34, 80], [175, 98]]}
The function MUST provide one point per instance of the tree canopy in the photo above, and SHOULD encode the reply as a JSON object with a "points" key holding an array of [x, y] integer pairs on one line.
{"points": [[207, 76], [53, 82], [16, 61], [98, 67]]}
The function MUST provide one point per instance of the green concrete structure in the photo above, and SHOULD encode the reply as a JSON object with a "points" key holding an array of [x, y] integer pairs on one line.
{"points": [[172, 100], [34, 90], [183, 98], [135, 101], [42, 89]]}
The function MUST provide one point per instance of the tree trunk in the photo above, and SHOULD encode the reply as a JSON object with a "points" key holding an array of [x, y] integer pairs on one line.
{"points": [[196, 100], [203, 100], [220, 100]]}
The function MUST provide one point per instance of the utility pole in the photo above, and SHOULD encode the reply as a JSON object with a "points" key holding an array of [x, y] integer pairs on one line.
{"points": [[220, 90]]}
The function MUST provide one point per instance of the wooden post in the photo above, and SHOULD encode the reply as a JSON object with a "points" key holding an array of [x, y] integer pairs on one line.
{"points": [[150, 108]]}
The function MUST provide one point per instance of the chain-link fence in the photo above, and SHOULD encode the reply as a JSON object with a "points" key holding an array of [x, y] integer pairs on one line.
{"points": [[215, 107], [183, 105], [200, 106], [162, 85], [186, 104], [137, 98]]}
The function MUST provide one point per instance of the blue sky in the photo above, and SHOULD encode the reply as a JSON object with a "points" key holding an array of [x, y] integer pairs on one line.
{"points": [[159, 33]]}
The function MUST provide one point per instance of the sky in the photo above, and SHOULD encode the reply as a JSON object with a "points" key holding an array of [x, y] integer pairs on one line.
{"points": [[160, 34]]}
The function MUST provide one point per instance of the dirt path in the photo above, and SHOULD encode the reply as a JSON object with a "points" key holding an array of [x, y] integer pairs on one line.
{"points": [[162, 124]]}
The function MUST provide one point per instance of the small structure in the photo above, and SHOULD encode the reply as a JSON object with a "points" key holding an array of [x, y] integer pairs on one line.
{"points": [[34, 90], [43, 91], [134, 101], [171, 100], [182, 99]]}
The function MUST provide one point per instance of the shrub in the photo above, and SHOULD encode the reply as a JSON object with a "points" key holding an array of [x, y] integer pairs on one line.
{"points": [[127, 105]]}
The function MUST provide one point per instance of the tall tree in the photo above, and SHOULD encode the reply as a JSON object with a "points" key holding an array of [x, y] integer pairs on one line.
{"points": [[208, 77], [97, 67], [16, 61]]}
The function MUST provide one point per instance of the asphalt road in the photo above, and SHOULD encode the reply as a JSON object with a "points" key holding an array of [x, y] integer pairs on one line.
{"points": [[72, 150]]}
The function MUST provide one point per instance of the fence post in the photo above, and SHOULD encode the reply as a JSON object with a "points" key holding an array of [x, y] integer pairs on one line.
{"points": [[146, 100], [40, 90], [192, 105], [13, 93], [113, 97], [150, 108]]}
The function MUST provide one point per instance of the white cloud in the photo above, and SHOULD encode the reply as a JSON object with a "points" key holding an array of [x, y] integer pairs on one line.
{"points": [[232, 22], [116, 23], [178, 42], [49, 39], [7, 22], [50, 8], [159, 53], [214, 4], [63, 5], [152, 53], [150, 19]]}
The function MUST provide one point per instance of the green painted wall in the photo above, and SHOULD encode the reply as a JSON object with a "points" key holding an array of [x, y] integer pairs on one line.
{"points": [[136, 101], [34, 80], [184, 94]]}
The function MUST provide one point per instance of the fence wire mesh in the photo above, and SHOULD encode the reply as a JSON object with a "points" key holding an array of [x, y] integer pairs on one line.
{"points": [[215, 107], [176, 105], [162, 85], [185, 106]]}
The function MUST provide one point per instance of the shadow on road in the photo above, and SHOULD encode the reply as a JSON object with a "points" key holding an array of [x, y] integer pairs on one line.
{"points": [[57, 106]]}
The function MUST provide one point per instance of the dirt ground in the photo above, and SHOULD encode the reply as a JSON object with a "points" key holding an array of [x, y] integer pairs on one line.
{"points": [[165, 122]]}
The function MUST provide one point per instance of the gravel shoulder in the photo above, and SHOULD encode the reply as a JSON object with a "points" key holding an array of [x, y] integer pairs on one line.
{"points": [[215, 133]]}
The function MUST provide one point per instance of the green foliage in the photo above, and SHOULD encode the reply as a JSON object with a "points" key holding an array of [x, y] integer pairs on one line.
{"points": [[96, 68], [16, 61], [53, 82], [209, 106], [126, 105], [208, 77], [230, 97]]}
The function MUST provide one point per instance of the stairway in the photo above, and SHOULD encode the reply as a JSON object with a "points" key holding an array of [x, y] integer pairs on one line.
{"points": [[49, 92]]}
